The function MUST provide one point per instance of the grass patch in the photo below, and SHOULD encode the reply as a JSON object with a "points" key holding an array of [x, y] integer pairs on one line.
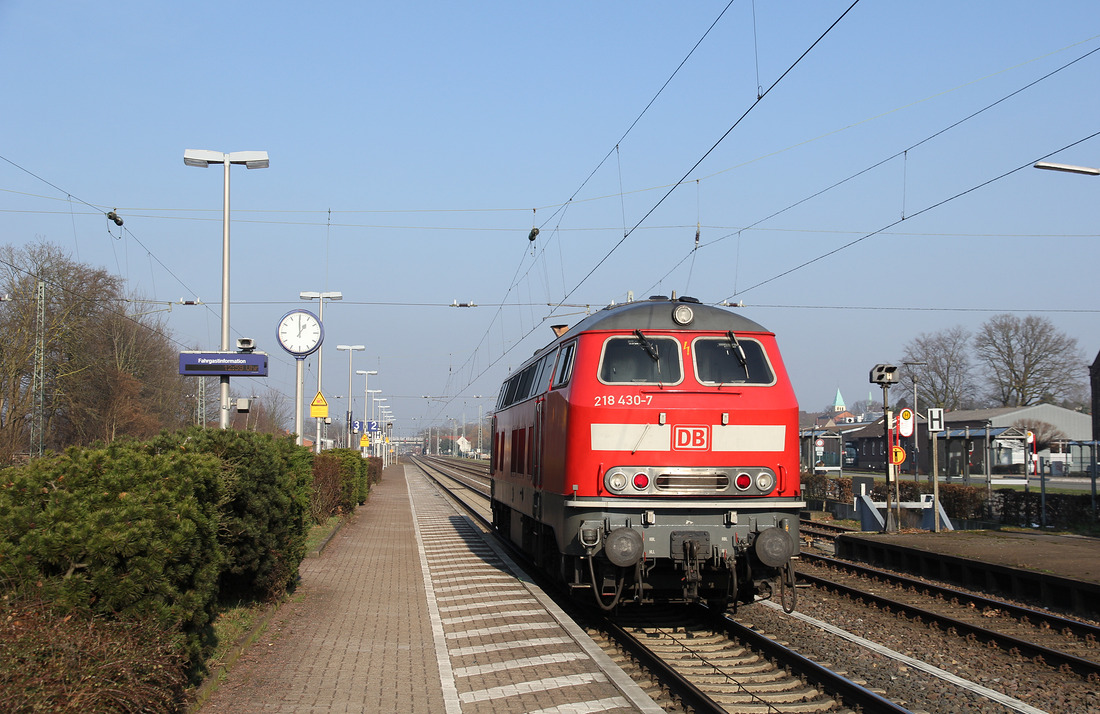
{"points": [[233, 622], [237, 620], [319, 532]]}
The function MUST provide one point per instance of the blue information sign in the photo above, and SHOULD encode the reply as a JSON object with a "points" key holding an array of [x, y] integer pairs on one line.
{"points": [[223, 364]]}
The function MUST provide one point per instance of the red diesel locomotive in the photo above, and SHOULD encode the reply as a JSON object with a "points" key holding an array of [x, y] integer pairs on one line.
{"points": [[650, 454]]}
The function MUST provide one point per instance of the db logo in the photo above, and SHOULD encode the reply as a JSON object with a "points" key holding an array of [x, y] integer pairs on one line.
{"points": [[691, 437]]}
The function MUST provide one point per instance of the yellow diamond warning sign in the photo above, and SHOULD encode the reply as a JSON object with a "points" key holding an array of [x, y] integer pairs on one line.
{"points": [[318, 408]]}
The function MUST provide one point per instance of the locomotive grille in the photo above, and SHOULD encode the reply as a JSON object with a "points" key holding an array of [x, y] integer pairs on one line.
{"points": [[692, 482]]}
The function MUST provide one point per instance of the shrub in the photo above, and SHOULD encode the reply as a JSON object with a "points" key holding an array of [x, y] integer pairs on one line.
{"points": [[961, 501], [119, 531], [354, 487], [326, 487], [77, 662], [814, 485], [374, 470], [265, 509]]}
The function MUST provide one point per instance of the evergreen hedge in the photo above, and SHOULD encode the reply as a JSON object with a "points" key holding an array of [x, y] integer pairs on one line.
{"points": [[354, 486], [264, 513], [155, 532], [120, 531]]}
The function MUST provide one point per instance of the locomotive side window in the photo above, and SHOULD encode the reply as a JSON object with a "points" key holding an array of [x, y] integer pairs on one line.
{"points": [[640, 359], [509, 396], [726, 360], [523, 387], [565, 365], [537, 384], [542, 375]]}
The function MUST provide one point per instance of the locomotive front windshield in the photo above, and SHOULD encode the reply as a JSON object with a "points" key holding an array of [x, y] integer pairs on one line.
{"points": [[640, 359], [728, 360]]}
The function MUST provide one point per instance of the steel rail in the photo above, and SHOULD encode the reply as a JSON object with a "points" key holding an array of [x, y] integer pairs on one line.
{"points": [[849, 692], [676, 683], [1077, 627], [1052, 657]]}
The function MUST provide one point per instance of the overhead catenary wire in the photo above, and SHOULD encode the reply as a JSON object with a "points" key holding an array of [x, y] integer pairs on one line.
{"points": [[757, 225], [752, 105], [722, 138], [922, 211], [107, 304]]}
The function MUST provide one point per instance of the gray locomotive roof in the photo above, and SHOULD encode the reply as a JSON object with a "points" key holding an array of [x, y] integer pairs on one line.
{"points": [[656, 314]]}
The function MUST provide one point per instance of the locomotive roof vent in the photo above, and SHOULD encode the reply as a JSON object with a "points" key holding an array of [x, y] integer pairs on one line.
{"points": [[685, 298], [658, 297]]}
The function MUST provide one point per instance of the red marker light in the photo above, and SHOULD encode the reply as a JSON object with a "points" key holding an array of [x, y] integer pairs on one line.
{"points": [[641, 481]]}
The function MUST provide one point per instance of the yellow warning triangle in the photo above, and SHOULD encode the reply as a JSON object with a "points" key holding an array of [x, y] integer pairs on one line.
{"points": [[319, 401]]}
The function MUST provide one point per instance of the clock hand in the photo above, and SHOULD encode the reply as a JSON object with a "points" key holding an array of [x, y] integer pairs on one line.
{"points": [[300, 326]]}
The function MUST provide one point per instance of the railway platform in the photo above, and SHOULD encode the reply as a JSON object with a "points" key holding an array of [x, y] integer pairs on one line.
{"points": [[1057, 570], [411, 609]]}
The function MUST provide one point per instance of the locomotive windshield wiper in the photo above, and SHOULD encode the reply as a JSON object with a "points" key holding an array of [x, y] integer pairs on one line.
{"points": [[740, 352], [650, 348]]}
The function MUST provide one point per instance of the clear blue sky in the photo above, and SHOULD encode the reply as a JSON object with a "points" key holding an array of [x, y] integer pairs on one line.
{"points": [[431, 131]]}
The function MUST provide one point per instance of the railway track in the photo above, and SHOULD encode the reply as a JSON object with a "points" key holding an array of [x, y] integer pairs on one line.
{"points": [[1058, 641], [701, 663]]}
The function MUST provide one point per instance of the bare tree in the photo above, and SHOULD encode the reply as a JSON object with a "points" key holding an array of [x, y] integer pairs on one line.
{"points": [[271, 412], [945, 379], [1044, 433], [70, 292], [1028, 361], [122, 379], [107, 371]]}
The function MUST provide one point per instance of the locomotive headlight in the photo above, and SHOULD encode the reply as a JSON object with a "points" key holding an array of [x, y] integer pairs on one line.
{"points": [[765, 481], [616, 481], [683, 315]]}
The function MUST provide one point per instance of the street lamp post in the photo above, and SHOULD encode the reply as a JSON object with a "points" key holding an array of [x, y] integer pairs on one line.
{"points": [[351, 350], [320, 297], [366, 392], [385, 416], [202, 158], [1087, 171], [376, 403], [373, 440]]}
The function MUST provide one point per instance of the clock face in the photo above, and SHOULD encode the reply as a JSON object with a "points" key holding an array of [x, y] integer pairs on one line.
{"points": [[300, 332]]}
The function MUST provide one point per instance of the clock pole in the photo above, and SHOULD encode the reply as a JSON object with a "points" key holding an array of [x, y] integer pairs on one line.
{"points": [[299, 397]]}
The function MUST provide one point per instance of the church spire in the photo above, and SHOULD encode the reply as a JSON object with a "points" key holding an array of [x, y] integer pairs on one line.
{"points": [[838, 404]]}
